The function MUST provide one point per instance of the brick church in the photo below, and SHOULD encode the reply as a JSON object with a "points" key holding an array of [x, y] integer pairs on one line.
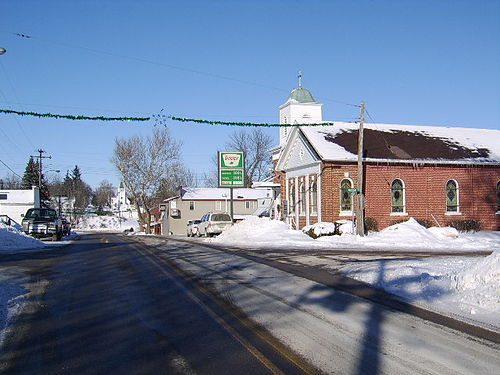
{"points": [[441, 175]]}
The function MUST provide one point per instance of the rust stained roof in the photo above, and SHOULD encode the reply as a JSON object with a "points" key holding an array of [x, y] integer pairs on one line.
{"points": [[403, 145]]}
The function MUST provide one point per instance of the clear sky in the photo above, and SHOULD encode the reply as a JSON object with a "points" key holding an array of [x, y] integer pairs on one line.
{"points": [[425, 62]]}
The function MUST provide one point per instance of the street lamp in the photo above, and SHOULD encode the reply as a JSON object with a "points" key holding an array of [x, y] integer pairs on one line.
{"points": [[2, 50]]}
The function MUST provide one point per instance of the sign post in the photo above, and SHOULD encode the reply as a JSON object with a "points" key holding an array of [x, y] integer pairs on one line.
{"points": [[231, 172]]}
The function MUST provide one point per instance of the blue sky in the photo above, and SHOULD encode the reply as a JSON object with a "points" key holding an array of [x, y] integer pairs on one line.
{"points": [[412, 62]]}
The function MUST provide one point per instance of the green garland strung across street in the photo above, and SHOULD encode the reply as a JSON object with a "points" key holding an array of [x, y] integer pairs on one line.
{"points": [[229, 123], [73, 117], [160, 119]]}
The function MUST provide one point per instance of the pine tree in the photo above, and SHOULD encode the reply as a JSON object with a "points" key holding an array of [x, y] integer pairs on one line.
{"points": [[30, 176]]}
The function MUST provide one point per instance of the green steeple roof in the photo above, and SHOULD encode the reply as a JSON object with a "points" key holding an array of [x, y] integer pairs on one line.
{"points": [[301, 95]]}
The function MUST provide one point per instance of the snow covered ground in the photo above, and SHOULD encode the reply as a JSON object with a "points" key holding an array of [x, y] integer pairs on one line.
{"points": [[465, 287], [105, 223]]}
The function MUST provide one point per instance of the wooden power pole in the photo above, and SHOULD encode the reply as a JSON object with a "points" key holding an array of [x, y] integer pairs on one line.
{"points": [[40, 157], [360, 220]]}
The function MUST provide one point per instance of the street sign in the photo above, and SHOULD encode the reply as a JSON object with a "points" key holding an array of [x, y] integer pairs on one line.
{"points": [[231, 169], [353, 191]]}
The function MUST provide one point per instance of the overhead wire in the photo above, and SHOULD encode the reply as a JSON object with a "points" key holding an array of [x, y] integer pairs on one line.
{"points": [[170, 66], [9, 168]]}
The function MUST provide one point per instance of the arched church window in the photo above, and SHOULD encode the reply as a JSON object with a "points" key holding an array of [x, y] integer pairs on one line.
{"points": [[345, 195], [313, 201], [397, 196], [498, 196], [302, 202], [452, 196]]}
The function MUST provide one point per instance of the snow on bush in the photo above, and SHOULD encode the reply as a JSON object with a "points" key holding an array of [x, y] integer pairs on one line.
{"points": [[328, 229], [13, 238]]}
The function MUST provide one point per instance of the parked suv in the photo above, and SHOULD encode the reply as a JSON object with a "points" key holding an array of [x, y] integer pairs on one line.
{"points": [[43, 222], [192, 228], [213, 223]]}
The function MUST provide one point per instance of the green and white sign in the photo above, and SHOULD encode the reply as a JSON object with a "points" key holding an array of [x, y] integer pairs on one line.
{"points": [[231, 169]]}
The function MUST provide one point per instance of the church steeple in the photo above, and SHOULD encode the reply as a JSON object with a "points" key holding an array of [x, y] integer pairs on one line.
{"points": [[300, 108]]}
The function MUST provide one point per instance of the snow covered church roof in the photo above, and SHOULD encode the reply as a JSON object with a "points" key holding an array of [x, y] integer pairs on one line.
{"points": [[392, 142]]}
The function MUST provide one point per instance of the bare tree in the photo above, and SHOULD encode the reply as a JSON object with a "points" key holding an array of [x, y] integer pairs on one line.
{"points": [[143, 163], [255, 144], [170, 187], [11, 182], [103, 194]]}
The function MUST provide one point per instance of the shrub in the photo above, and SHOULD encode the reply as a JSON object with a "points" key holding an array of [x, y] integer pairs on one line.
{"points": [[311, 233], [425, 223], [371, 224], [466, 225]]}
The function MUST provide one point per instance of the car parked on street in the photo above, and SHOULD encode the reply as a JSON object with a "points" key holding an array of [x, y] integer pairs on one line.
{"points": [[43, 222], [214, 223], [192, 228]]}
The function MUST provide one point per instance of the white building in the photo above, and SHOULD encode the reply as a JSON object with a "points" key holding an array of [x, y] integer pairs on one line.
{"points": [[14, 203], [122, 205]]}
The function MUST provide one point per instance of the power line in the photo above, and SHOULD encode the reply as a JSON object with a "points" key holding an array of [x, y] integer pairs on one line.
{"points": [[170, 66], [10, 169]]}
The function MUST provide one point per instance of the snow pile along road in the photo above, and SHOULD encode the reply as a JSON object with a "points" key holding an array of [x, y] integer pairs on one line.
{"points": [[257, 231], [104, 223], [13, 239], [479, 284], [409, 235]]}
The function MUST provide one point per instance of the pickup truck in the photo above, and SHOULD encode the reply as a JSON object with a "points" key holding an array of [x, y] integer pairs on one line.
{"points": [[43, 222]]}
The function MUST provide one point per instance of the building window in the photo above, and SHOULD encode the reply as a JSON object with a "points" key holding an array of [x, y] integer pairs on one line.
{"points": [[3, 196], [191, 206], [345, 195], [452, 196], [302, 203], [249, 205], [397, 196], [313, 202], [292, 197], [498, 196]]}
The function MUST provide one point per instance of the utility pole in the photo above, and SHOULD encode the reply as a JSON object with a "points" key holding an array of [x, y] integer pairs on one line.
{"points": [[40, 157], [360, 220]]}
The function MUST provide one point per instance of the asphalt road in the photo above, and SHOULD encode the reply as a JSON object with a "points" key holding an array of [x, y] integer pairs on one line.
{"points": [[107, 305]]}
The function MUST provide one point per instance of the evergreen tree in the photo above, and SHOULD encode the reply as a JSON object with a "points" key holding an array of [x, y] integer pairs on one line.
{"points": [[30, 176]]}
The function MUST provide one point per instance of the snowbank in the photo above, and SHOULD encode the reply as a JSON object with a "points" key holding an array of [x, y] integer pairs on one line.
{"points": [[468, 287], [256, 230], [104, 223], [409, 235], [12, 238]]}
